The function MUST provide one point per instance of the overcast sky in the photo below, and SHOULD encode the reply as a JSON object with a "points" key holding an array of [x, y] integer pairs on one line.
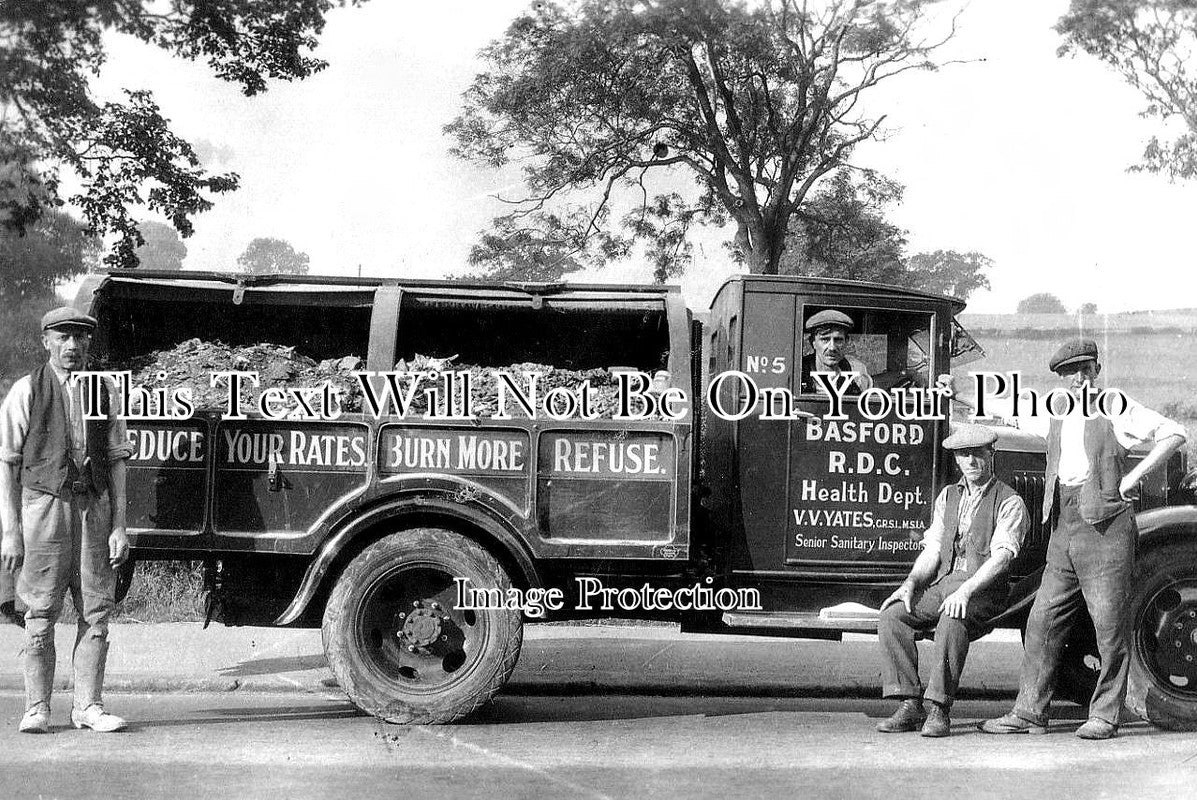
{"points": [[1021, 155]]}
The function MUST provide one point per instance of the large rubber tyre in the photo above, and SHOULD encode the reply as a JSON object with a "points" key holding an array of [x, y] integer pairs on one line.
{"points": [[1163, 669], [396, 641]]}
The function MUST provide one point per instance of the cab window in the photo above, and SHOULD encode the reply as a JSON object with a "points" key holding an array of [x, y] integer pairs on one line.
{"points": [[892, 348]]}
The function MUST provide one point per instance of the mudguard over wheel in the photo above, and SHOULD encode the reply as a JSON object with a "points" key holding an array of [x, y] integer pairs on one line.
{"points": [[1163, 669], [396, 641]]}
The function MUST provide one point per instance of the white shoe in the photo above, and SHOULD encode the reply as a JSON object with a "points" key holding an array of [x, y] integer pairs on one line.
{"points": [[96, 718], [36, 720]]}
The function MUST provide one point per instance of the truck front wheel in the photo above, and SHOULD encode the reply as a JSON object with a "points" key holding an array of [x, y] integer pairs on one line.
{"points": [[1163, 669], [397, 642]]}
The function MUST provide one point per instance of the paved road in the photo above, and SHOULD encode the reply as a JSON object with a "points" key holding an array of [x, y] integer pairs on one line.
{"points": [[264, 745]]}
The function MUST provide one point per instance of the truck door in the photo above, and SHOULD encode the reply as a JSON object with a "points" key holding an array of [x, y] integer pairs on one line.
{"points": [[276, 479], [836, 498], [861, 487]]}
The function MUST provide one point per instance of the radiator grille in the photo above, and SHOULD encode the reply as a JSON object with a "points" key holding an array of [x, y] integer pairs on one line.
{"points": [[1030, 486]]}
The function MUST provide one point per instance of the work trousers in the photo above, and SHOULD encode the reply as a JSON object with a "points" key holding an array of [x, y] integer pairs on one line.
{"points": [[66, 547], [897, 631], [1086, 564]]}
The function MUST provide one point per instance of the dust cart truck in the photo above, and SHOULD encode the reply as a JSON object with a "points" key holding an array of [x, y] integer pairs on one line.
{"points": [[422, 544]]}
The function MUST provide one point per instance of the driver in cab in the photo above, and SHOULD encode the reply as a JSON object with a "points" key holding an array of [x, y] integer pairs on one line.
{"points": [[829, 333]]}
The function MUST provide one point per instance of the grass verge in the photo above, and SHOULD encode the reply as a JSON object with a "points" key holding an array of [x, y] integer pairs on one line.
{"points": [[164, 591]]}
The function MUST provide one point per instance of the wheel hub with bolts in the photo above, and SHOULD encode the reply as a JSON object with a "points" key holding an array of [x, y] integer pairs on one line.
{"points": [[1174, 614], [423, 627]]}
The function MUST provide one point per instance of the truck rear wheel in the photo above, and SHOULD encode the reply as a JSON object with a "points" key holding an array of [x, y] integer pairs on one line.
{"points": [[1163, 669], [396, 641]]}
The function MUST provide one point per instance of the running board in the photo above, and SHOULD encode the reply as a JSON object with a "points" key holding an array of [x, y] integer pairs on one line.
{"points": [[801, 620]]}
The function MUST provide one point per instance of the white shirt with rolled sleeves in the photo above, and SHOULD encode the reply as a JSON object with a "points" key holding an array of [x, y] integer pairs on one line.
{"points": [[1010, 523], [1137, 425], [14, 422]]}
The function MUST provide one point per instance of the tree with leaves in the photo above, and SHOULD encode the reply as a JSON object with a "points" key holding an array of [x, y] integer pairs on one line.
{"points": [[266, 256], [1041, 303], [1152, 44], [53, 248], [1088, 308], [514, 254], [948, 272], [123, 152], [755, 102], [842, 232], [163, 249]]}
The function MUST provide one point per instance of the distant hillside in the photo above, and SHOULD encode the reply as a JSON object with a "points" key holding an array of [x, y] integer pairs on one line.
{"points": [[1177, 320]]}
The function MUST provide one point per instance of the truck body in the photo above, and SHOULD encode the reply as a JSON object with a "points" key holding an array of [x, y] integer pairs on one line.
{"points": [[370, 526]]}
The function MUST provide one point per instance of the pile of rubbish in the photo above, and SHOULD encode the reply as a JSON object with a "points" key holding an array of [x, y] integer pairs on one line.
{"points": [[191, 363], [484, 385]]}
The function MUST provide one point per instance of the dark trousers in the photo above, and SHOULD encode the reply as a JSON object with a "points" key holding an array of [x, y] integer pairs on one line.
{"points": [[897, 629], [1086, 564]]}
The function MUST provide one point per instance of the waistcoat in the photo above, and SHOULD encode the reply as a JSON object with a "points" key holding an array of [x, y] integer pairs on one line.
{"points": [[976, 542], [1100, 494], [46, 462]]}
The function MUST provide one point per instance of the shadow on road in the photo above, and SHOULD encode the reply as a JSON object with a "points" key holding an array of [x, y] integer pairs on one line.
{"points": [[528, 712], [239, 714], [273, 666], [522, 709], [526, 709]]}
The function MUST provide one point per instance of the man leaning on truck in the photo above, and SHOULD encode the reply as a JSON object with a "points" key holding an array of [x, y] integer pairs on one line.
{"points": [[62, 505], [1091, 551], [956, 584]]}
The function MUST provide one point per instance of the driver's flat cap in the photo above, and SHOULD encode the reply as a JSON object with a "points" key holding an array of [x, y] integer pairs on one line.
{"points": [[829, 318], [964, 436], [1072, 352], [67, 317]]}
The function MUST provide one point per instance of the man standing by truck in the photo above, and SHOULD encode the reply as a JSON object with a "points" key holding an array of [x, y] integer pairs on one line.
{"points": [[1091, 551], [956, 584], [62, 507]]}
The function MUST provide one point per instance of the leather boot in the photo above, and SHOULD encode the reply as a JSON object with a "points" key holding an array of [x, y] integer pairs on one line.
{"points": [[36, 719], [938, 722], [908, 717], [1012, 723], [1097, 728]]}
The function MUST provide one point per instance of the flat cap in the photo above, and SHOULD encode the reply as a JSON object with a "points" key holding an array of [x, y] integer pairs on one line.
{"points": [[829, 318], [963, 437], [67, 317], [1073, 351]]}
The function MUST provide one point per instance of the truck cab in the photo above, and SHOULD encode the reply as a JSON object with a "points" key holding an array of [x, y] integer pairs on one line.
{"points": [[820, 512]]}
